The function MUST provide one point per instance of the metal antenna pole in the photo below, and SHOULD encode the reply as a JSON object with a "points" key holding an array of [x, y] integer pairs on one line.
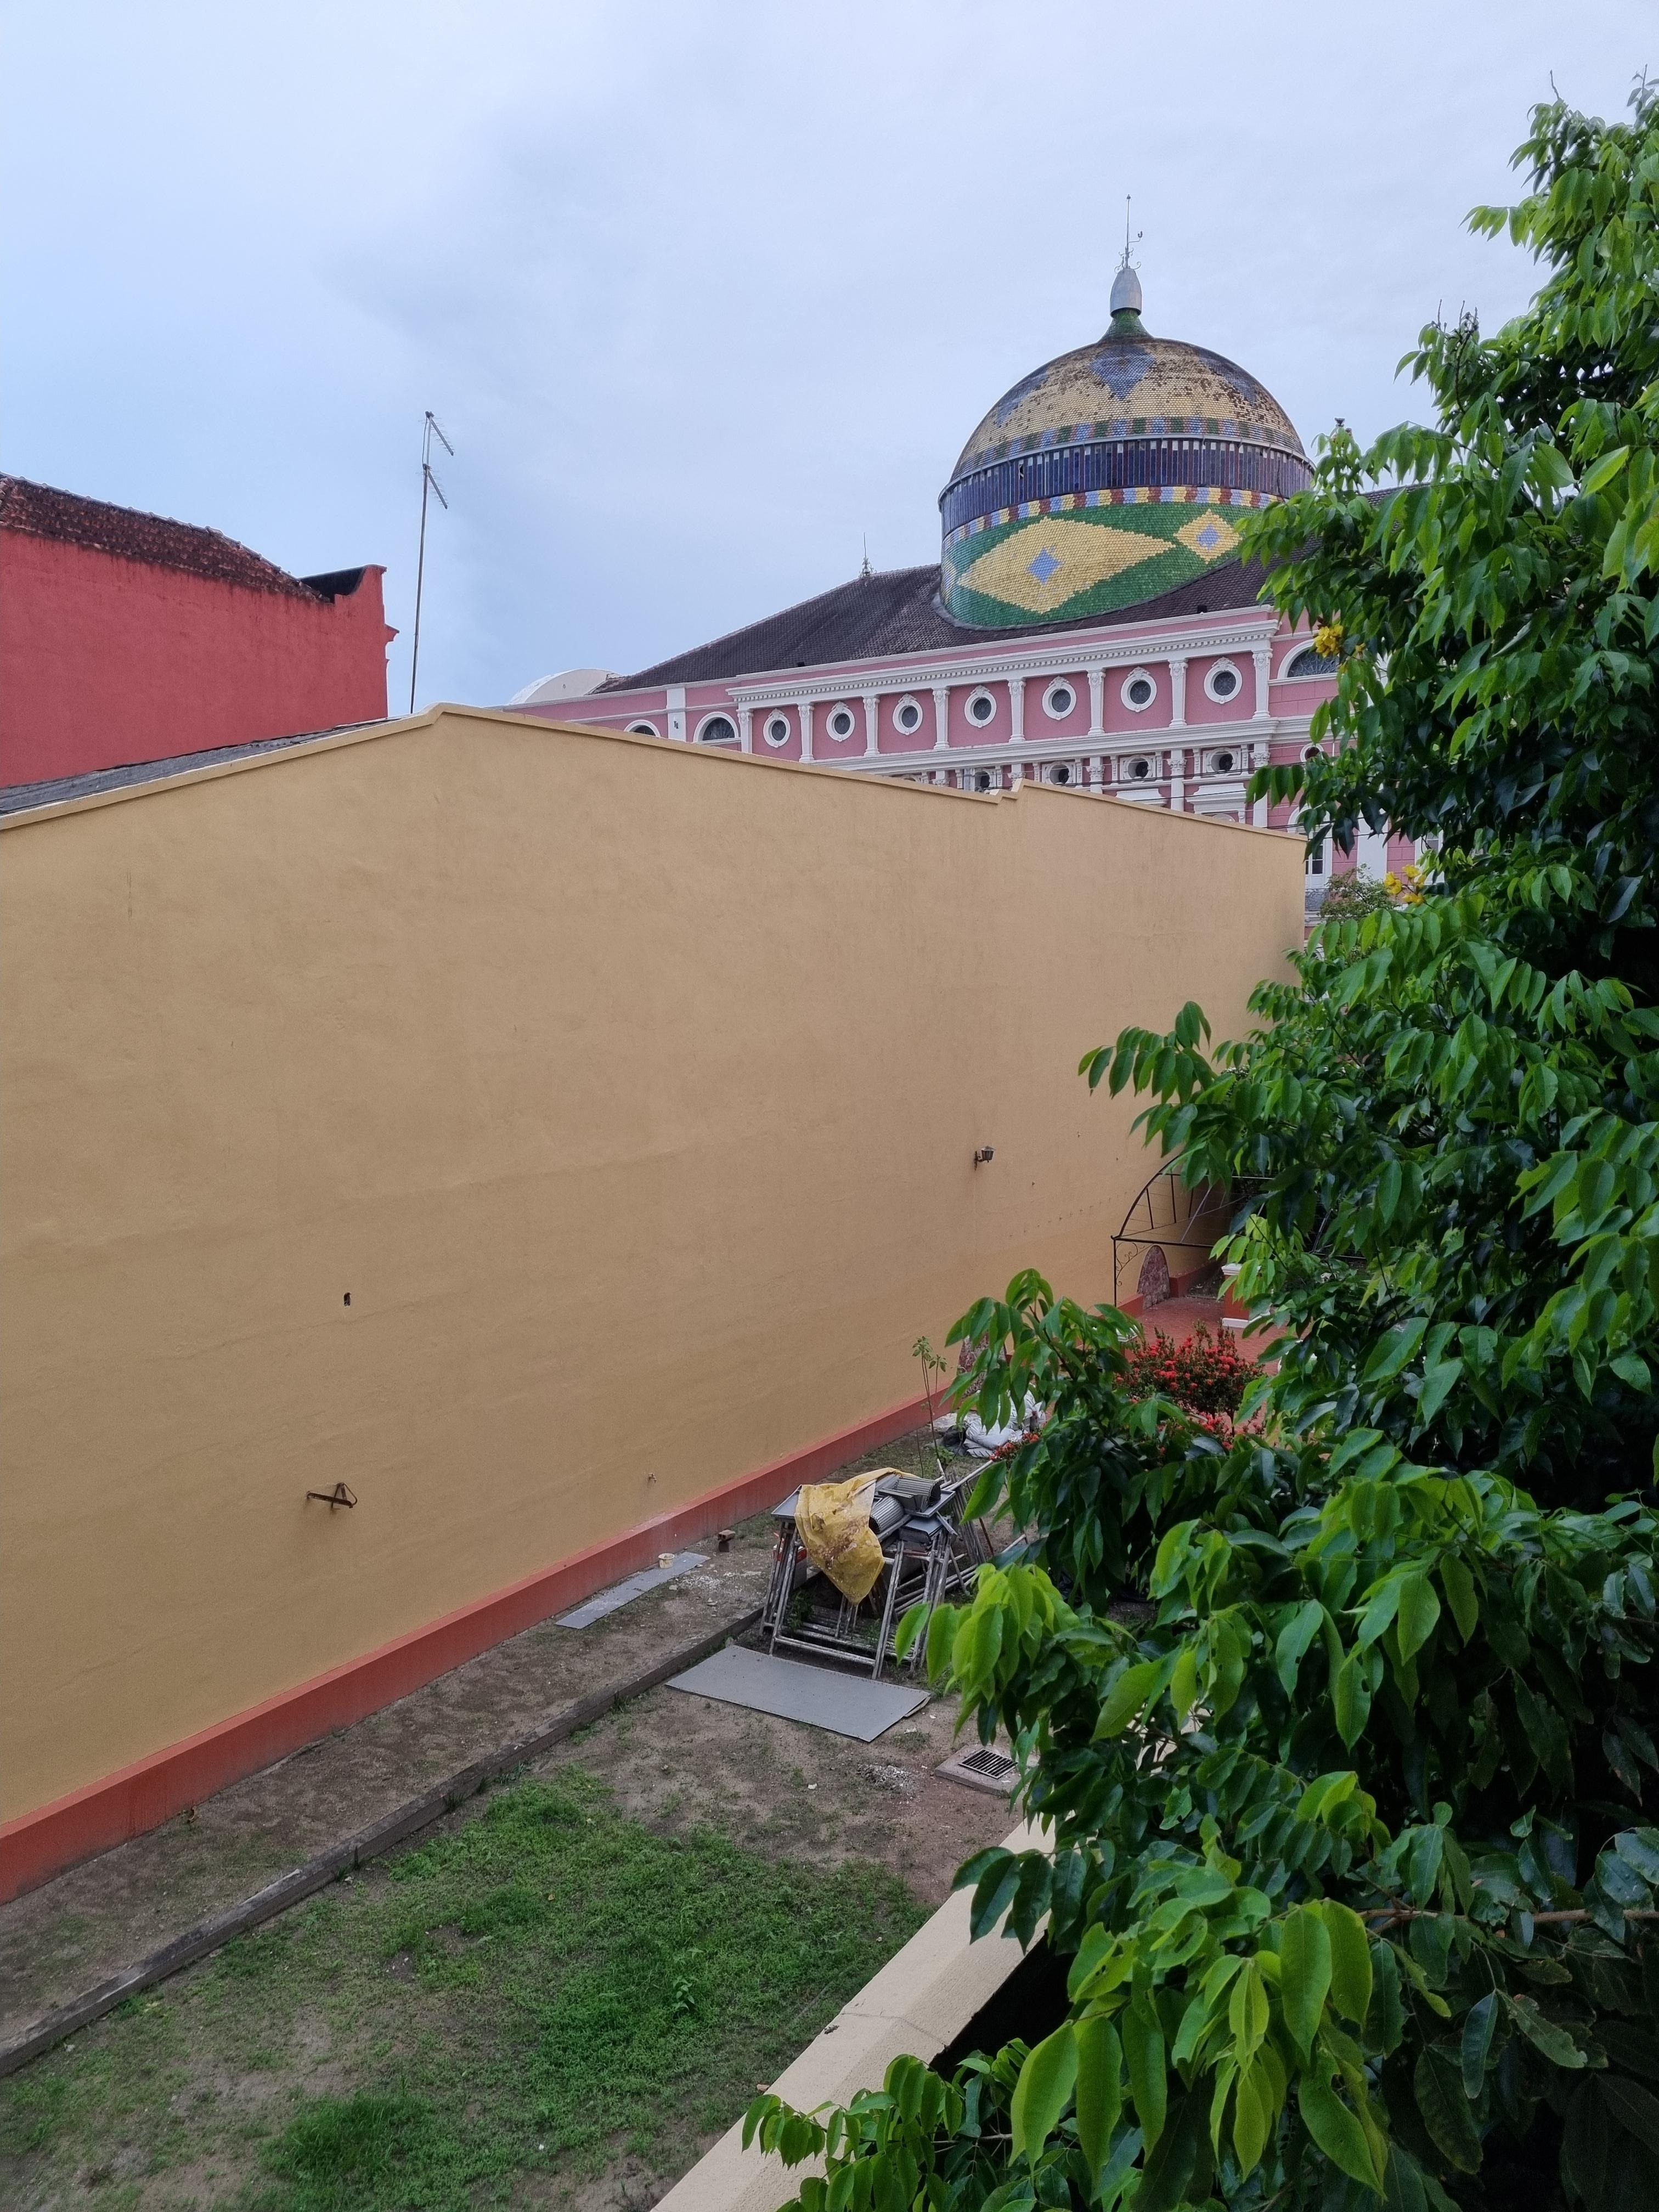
{"points": [[428, 483]]}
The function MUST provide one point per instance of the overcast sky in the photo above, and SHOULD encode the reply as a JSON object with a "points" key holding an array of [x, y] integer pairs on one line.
{"points": [[705, 295]]}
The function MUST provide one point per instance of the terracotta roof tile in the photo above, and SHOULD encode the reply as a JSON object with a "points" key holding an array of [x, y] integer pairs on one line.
{"points": [[41, 511]]}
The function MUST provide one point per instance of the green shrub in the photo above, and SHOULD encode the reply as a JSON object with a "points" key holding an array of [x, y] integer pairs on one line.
{"points": [[1205, 1374], [1349, 1847]]}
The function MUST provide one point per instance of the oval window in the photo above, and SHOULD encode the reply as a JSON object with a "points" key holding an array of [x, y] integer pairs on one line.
{"points": [[840, 722], [1058, 700], [1224, 683], [1140, 771], [908, 716], [1140, 691], [1224, 764], [1060, 774], [981, 707], [982, 779], [777, 730]]}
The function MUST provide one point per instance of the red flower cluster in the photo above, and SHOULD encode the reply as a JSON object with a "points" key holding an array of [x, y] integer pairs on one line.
{"points": [[1208, 1377]]}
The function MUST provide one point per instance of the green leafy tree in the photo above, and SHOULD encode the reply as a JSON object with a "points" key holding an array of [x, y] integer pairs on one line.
{"points": [[1349, 1850]]}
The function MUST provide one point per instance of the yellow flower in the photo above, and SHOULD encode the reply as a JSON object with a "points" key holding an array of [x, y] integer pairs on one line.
{"points": [[1327, 641]]}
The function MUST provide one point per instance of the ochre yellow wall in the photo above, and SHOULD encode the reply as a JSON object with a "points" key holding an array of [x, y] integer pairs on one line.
{"points": [[630, 1090]]}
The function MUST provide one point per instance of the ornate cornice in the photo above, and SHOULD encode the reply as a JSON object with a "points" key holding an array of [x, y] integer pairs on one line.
{"points": [[1245, 634]]}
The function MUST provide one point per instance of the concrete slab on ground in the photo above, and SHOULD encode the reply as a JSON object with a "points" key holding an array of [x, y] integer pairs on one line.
{"points": [[818, 1697]]}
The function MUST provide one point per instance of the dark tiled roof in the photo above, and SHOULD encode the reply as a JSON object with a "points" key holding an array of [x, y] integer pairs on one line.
{"points": [[40, 511], [18, 798], [898, 611], [337, 584]]}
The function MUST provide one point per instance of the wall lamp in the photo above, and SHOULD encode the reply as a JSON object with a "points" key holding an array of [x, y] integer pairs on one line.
{"points": [[984, 1155]]}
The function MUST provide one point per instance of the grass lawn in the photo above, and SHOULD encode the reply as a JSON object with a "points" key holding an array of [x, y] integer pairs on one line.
{"points": [[539, 1994]]}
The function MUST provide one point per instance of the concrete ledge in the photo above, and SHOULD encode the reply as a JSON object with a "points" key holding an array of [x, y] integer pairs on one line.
{"points": [[920, 2001]]}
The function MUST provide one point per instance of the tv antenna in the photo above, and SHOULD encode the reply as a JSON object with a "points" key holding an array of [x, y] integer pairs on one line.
{"points": [[1129, 243], [428, 483]]}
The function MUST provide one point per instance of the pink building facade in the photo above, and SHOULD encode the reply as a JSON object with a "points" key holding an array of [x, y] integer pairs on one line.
{"points": [[1101, 633]]}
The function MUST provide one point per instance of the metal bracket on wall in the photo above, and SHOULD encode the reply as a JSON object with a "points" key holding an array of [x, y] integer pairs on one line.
{"points": [[339, 1496]]}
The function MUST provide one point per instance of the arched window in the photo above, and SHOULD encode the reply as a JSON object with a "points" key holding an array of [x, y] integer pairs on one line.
{"points": [[717, 730], [1310, 663]]}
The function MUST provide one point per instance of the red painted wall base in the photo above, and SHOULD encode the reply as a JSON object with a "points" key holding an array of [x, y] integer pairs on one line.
{"points": [[37, 1846]]}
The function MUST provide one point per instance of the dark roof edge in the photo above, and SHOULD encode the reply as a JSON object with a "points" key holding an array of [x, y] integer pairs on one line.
{"points": [[59, 791]]}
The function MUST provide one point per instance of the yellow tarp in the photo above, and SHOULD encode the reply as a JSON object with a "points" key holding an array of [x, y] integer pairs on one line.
{"points": [[833, 1522]]}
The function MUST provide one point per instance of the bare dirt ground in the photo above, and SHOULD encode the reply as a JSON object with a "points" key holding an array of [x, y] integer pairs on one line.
{"points": [[672, 1759]]}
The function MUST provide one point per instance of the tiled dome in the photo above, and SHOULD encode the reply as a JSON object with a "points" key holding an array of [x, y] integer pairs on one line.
{"points": [[1127, 436]]}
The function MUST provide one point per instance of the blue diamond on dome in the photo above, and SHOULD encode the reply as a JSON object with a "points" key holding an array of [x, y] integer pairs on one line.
{"points": [[1043, 566], [1208, 536]]}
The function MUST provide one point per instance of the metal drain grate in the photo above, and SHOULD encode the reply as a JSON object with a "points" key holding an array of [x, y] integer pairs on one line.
{"points": [[982, 1769], [991, 1763]]}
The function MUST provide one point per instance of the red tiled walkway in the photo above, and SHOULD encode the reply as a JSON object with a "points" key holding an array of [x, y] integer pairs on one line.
{"points": [[1181, 1318]]}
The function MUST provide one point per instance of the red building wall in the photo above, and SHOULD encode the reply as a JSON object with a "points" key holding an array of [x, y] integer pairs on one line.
{"points": [[106, 660]]}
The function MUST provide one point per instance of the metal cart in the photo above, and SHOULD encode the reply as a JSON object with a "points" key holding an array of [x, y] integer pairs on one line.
{"points": [[931, 1550]]}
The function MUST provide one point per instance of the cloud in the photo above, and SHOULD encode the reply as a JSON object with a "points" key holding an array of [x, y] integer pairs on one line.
{"points": [[704, 294]]}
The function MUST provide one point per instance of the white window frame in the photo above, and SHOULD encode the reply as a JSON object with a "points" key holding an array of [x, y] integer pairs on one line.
{"points": [[1220, 668], [643, 729], [1139, 676], [914, 730], [775, 715], [718, 715], [842, 737], [978, 721], [1067, 684]]}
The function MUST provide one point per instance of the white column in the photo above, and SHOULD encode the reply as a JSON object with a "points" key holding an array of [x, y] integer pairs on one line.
{"points": [[745, 731], [804, 708], [871, 724], [1262, 656], [1177, 694], [1017, 708], [941, 717], [676, 711], [1177, 773], [1258, 758], [1097, 696]]}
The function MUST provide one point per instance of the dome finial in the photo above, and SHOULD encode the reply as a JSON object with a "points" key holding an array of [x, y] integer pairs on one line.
{"points": [[1125, 321]]}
